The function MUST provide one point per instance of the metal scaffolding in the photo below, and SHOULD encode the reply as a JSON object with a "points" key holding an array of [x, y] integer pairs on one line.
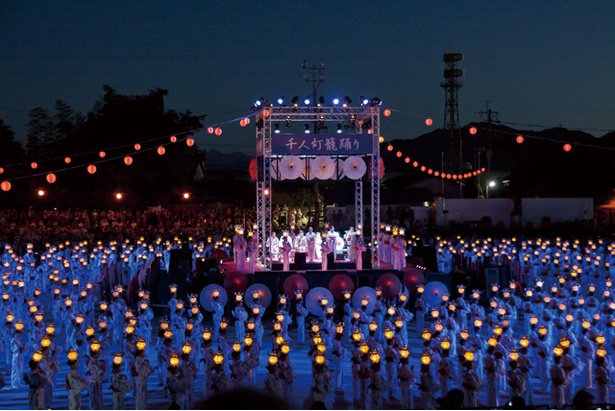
{"points": [[362, 121]]}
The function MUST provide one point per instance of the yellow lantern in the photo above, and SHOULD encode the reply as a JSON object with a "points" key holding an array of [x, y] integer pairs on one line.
{"points": [[94, 345], [247, 341], [374, 357], [524, 341], [468, 355], [373, 326], [45, 342], [89, 331], [251, 324], [103, 306], [601, 351], [164, 325], [218, 358], [174, 360], [168, 334], [599, 339], [285, 348], [513, 355], [321, 348], [426, 335], [316, 339], [141, 344], [445, 344], [399, 323], [72, 355], [420, 288], [19, 325], [478, 323], [277, 326], [50, 329], [364, 301], [319, 359], [102, 324], [464, 335], [558, 351], [404, 352], [425, 358], [356, 335], [273, 359], [439, 327], [256, 310], [529, 293], [497, 330], [37, 356], [569, 318], [315, 328], [534, 320], [435, 313], [364, 348], [187, 348], [492, 341], [388, 333], [130, 329], [173, 288], [542, 330], [279, 340], [282, 299], [339, 328], [586, 324]]}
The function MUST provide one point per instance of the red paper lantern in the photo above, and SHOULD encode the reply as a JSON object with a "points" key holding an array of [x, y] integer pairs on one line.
{"points": [[265, 113], [161, 150], [242, 122], [1, 170], [173, 139], [473, 130], [218, 131], [423, 168], [253, 169], [137, 146], [390, 147], [567, 147], [51, 178], [399, 154], [5, 185], [428, 121], [34, 165], [210, 130], [128, 160], [519, 139], [387, 112], [407, 160], [67, 160], [91, 169], [102, 154], [189, 141]]}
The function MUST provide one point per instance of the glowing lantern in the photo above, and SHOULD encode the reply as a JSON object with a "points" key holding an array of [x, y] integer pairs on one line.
{"points": [[426, 335], [356, 335], [118, 357], [420, 289], [285, 348], [102, 154], [567, 147], [189, 141], [445, 344], [339, 329], [478, 323], [206, 335], [247, 341], [173, 139], [236, 346], [67, 160], [519, 139], [601, 351], [473, 130], [524, 341], [492, 341], [37, 356], [95, 345], [50, 329], [404, 352], [5, 185], [599, 339], [425, 358], [558, 351], [374, 357], [468, 356], [102, 324], [273, 359], [89, 331], [161, 150], [210, 130], [128, 160], [51, 178], [218, 358], [72, 355], [428, 121], [319, 359], [45, 342], [513, 355], [218, 130], [186, 348], [464, 335], [91, 169], [388, 333], [387, 112], [174, 360], [34, 165]]}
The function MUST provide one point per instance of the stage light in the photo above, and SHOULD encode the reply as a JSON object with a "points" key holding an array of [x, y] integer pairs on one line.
{"points": [[276, 128], [321, 100], [281, 100], [295, 100], [336, 101], [288, 122], [347, 101], [375, 102], [364, 101], [307, 128], [339, 128], [307, 101]]}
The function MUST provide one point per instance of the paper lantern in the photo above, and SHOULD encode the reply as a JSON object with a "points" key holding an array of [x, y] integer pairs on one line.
{"points": [[173, 139], [374, 357], [356, 335], [186, 348], [50, 329], [445, 344], [189, 141], [519, 139], [118, 357], [387, 112], [102, 154], [95, 345], [51, 178], [558, 351], [161, 150], [91, 169], [5, 185], [72, 354], [567, 147], [218, 131], [206, 335], [174, 360], [428, 121], [473, 130], [285, 348], [524, 341], [273, 359], [218, 358], [37, 356], [247, 341], [242, 122], [468, 356], [34, 165], [128, 160], [425, 358], [210, 130]]}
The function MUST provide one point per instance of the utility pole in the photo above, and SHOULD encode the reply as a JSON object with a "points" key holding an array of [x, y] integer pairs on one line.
{"points": [[317, 78], [451, 85], [492, 116]]}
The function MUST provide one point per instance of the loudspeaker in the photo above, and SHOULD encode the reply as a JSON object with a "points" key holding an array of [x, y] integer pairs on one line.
{"points": [[299, 261]]}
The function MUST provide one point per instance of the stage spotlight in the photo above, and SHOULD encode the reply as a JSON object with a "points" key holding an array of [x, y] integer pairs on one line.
{"points": [[276, 128], [281, 100], [321, 122], [307, 128], [321, 100], [375, 102], [347, 101], [288, 121], [295, 100], [353, 120], [307, 101], [364, 101], [336, 101], [339, 128]]}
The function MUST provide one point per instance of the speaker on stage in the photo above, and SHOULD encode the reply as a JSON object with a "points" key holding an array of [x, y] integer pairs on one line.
{"points": [[299, 261]]}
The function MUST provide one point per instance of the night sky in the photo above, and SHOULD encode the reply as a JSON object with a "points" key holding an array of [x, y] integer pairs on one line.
{"points": [[546, 63]]}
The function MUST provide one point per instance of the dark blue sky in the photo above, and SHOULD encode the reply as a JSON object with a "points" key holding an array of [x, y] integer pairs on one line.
{"points": [[537, 62]]}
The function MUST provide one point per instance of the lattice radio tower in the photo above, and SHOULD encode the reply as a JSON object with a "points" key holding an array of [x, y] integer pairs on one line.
{"points": [[451, 85]]}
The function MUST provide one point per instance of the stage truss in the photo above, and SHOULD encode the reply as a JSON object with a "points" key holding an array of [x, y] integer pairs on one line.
{"points": [[359, 123]]}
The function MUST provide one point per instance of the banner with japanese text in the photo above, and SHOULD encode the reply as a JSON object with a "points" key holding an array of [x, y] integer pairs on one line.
{"points": [[322, 144]]}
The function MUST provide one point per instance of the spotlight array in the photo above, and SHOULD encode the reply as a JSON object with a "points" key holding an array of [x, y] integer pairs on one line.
{"points": [[320, 102]]}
